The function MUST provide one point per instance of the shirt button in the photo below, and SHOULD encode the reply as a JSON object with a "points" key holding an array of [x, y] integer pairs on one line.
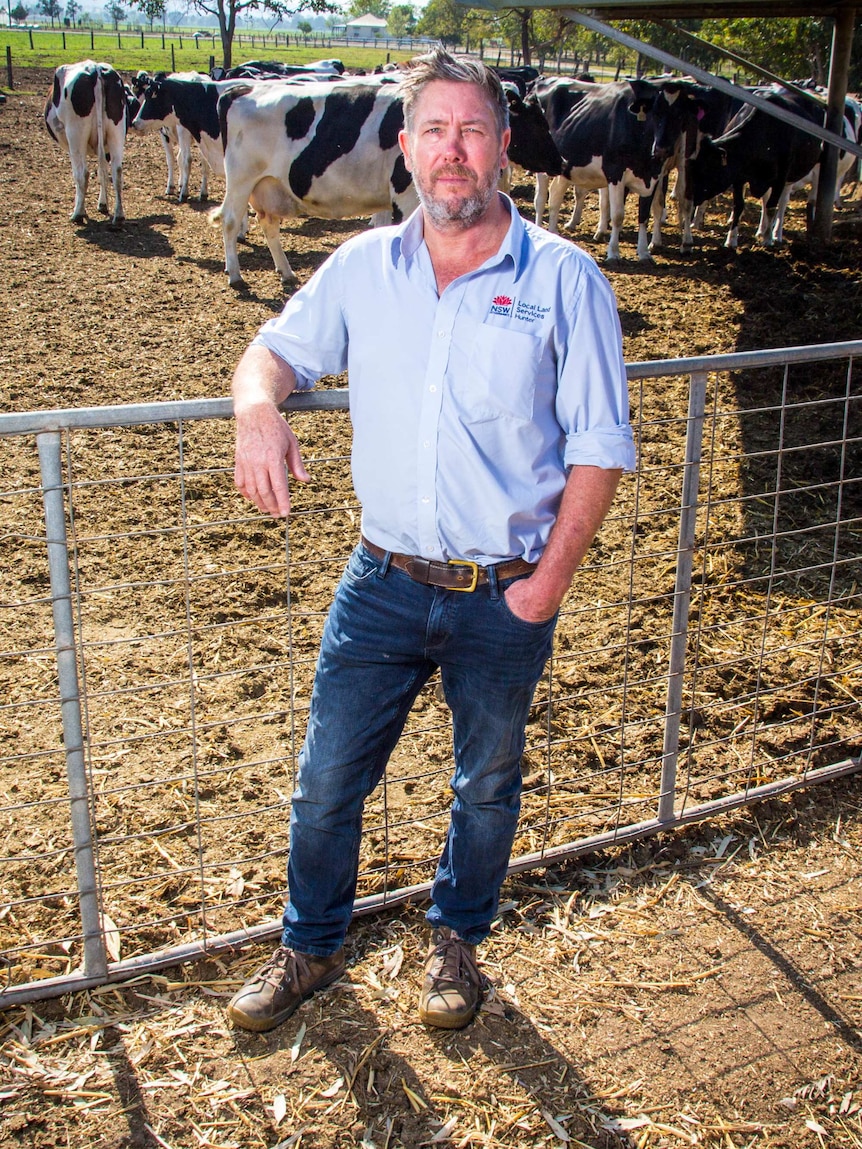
{"points": [[432, 388], [442, 334], [426, 499], [426, 444]]}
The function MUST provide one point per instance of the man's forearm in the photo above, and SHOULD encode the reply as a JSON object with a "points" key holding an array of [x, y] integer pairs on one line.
{"points": [[261, 377], [586, 500]]}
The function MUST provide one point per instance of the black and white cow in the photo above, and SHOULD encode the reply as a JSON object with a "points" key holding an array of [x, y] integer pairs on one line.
{"points": [[622, 136], [847, 161], [257, 69], [523, 78], [759, 151], [186, 102], [323, 150], [86, 112], [177, 143], [532, 146]]}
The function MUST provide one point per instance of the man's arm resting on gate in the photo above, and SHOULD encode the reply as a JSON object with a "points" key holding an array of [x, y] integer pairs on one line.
{"points": [[587, 498], [264, 441]]}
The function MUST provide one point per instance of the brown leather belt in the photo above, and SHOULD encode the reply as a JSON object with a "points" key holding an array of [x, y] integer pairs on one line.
{"points": [[457, 574]]}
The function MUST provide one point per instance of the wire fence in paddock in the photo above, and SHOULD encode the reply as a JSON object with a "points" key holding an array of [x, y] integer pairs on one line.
{"points": [[159, 643]]}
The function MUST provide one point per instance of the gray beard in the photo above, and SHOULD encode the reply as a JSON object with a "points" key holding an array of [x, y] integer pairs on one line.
{"points": [[459, 216]]}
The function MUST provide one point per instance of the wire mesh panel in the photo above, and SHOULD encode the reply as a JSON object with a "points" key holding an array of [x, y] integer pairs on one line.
{"points": [[160, 641]]}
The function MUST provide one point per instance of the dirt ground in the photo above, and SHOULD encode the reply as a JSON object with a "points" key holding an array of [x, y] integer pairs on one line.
{"points": [[701, 988]]}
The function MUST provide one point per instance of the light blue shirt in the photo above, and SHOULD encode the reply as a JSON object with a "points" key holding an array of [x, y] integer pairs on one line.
{"points": [[467, 408]]}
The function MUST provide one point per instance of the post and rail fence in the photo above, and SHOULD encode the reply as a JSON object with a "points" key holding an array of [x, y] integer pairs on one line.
{"points": [[159, 645]]}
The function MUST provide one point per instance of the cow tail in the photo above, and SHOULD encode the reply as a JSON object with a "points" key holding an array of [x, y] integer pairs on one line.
{"points": [[100, 121]]}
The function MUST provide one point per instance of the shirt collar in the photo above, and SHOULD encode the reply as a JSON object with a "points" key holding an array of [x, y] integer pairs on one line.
{"points": [[409, 236]]}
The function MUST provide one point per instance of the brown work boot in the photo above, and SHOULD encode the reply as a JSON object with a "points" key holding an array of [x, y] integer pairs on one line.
{"points": [[280, 986], [453, 985]]}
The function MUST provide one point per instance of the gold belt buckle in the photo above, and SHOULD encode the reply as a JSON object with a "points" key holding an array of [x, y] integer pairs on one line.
{"points": [[473, 566]]}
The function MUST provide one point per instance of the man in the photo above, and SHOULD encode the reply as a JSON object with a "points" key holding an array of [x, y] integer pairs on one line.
{"points": [[490, 430]]}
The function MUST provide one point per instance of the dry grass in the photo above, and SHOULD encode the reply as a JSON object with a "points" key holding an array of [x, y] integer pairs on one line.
{"points": [[701, 990]]}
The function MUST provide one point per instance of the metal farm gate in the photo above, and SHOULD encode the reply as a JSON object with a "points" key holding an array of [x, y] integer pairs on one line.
{"points": [[159, 642]]}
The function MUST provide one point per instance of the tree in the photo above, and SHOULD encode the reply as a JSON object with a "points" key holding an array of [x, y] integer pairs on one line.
{"points": [[442, 20], [367, 8], [19, 13], [228, 12], [49, 8], [402, 20], [73, 9], [153, 10], [114, 13], [304, 27]]}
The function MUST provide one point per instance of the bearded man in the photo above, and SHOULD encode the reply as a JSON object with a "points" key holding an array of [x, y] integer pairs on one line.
{"points": [[489, 408]]}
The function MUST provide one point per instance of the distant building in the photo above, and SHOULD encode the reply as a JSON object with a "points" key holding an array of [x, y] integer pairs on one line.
{"points": [[365, 27]]}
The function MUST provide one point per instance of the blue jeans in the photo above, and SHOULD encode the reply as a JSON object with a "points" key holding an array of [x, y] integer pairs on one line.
{"points": [[384, 637]]}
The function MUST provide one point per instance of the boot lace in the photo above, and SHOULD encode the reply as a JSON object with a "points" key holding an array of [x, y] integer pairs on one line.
{"points": [[454, 961]]}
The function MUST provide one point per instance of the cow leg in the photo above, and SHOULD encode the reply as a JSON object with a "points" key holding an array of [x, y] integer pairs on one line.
{"points": [[775, 217], [603, 227], [169, 160], [230, 220], [657, 209], [540, 198], [578, 210], [81, 176], [732, 240], [270, 226], [556, 195], [103, 185], [184, 148], [617, 204], [686, 215], [647, 206], [117, 181]]}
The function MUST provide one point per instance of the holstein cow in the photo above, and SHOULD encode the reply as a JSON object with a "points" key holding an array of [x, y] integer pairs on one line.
{"points": [[622, 136], [86, 112], [532, 146], [760, 151], [322, 150], [188, 102], [254, 69], [176, 141], [846, 162], [330, 151]]}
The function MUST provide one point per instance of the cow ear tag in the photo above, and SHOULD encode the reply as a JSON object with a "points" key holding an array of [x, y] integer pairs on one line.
{"points": [[641, 115]]}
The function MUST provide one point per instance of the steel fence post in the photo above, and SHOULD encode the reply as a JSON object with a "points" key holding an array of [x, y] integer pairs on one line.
{"points": [[95, 961], [682, 593]]}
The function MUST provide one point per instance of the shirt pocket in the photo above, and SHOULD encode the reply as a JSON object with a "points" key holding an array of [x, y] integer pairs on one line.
{"points": [[503, 368]]}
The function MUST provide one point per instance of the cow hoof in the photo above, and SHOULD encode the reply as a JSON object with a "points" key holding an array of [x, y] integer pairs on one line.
{"points": [[103, 208], [77, 218], [239, 284], [117, 224], [204, 198]]}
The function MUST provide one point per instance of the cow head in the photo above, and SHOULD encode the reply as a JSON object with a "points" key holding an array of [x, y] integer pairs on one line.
{"points": [[532, 147], [156, 104], [708, 173]]}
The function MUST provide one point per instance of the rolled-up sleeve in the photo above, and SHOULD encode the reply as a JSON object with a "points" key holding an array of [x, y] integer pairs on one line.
{"points": [[592, 393], [310, 333]]}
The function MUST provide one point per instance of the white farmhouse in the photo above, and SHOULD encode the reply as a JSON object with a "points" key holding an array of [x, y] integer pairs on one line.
{"points": [[365, 27]]}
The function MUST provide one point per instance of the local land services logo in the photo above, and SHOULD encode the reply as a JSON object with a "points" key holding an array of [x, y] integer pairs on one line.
{"points": [[518, 309], [501, 305]]}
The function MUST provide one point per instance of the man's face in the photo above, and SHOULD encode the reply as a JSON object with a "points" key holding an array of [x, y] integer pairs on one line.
{"points": [[454, 152]]}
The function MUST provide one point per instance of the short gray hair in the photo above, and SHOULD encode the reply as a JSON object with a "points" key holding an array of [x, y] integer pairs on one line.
{"points": [[439, 65]]}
